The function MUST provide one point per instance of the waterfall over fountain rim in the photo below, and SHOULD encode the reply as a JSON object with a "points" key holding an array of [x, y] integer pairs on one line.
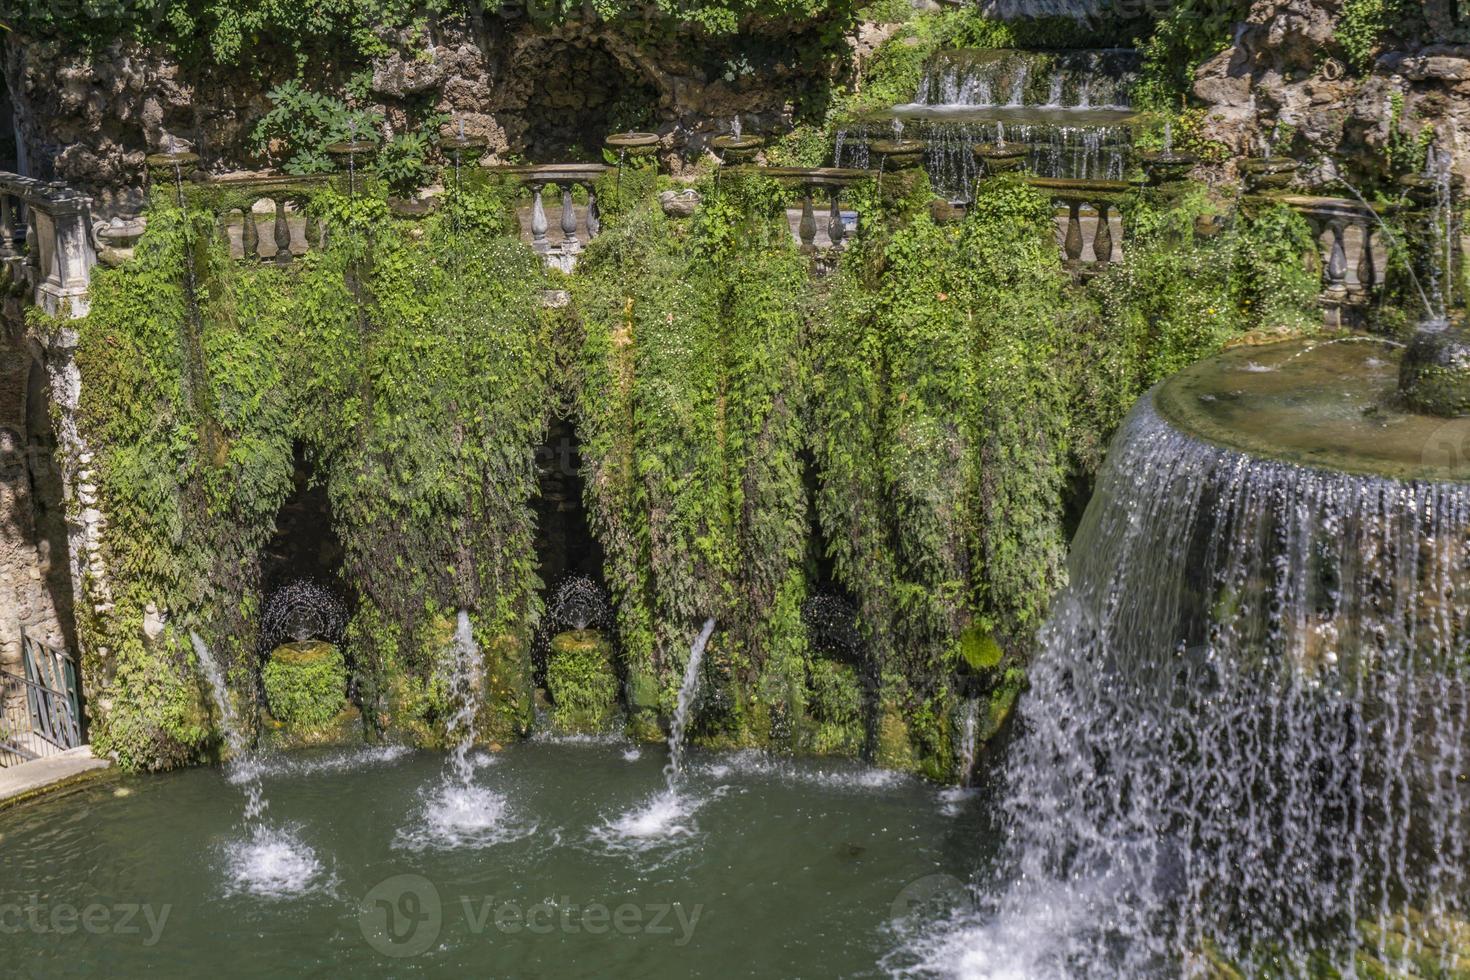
{"points": [[1248, 728]]}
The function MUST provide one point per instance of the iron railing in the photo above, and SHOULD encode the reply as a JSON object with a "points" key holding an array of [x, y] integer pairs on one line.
{"points": [[40, 711]]}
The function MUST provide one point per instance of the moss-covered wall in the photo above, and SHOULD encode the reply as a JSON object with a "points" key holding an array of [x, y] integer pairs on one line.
{"points": [[947, 392]]}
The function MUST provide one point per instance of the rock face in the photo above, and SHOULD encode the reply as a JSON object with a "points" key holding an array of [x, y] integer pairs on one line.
{"points": [[1281, 82], [35, 582], [1434, 374], [536, 92]]}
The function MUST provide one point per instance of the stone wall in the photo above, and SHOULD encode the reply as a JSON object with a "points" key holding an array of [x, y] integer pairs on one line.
{"points": [[531, 90], [1279, 78], [35, 577]]}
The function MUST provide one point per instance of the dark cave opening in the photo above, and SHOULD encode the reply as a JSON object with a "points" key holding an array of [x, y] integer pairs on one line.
{"points": [[305, 545], [565, 546], [582, 93]]}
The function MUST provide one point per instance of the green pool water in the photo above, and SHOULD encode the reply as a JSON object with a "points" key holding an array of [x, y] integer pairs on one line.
{"points": [[573, 866]]}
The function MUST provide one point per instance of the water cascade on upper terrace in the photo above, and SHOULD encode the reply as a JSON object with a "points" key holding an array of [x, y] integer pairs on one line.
{"points": [[1247, 737], [1070, 109]]}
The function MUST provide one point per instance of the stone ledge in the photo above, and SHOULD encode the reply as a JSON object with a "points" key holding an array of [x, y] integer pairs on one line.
{"points": [[39, 776]]}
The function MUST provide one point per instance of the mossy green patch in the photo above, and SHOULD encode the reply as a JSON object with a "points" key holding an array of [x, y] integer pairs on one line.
{"points": [[305, 683], [581, 682]]}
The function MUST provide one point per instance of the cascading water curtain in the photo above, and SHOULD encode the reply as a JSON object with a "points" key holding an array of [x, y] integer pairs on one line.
{"points": [[1247, 731]]}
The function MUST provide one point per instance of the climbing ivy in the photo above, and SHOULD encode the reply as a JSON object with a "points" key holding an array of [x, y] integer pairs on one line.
{"points": [[690, 412], [413, 373], [945, 395]]}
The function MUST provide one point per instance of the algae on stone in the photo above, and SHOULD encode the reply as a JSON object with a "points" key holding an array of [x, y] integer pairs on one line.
{"points": [[581, 682], [305, 683]]}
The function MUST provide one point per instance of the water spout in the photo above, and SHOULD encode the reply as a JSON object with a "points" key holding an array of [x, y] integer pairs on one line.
{"points": [[464, 688], [687, 691]]}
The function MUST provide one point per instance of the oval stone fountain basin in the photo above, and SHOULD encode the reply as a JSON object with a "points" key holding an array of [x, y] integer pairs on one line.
{"points": [[1329, 404], [589, 874]]}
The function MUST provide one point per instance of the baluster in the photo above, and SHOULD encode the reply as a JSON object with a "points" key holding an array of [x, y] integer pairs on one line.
{"points": [[33, 247], [313, 229], [1102, 240], [282, 233], [594, 218], [806, 229], [249, 234], [1072, 247], [836, 230], [538, 221], [7, 226], [1337, 258], [568, 218], [1367, 265]]}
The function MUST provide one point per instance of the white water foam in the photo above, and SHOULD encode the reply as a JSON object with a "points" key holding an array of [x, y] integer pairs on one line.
{"points": [[664, 820], [273, 862], [349, 759], [457, 816], [855, 778]]}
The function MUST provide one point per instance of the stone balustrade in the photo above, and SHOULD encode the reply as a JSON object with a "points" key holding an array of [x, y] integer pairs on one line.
{"points": [[577, 227], [46, 245], [820, 225], [1088, 238], [266, 219], [1348, 251]]}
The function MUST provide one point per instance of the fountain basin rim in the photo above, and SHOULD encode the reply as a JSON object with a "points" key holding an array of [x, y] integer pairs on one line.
{"points": [[1403, 447]]}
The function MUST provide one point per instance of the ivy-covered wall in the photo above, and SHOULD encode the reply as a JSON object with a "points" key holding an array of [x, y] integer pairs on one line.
{"points": [[915, 432], [411, 371]]}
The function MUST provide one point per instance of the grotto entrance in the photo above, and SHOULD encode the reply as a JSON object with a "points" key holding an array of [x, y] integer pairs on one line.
{"points": [[568, 558], [305, 545], [565, 547], [571, 94]]}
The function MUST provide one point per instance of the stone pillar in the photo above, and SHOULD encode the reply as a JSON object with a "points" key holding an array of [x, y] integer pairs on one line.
{"points": [[64, 240]]}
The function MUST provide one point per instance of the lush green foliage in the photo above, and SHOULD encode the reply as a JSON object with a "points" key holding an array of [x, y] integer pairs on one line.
{"points": [[689, 410], [1190, 33], [346, 33], [925, 414], [1364, 25], [582, 683], [414, 375], [305, 684]]}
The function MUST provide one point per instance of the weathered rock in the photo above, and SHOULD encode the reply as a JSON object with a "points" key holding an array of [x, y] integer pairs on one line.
{"points": [[679, 204], [541, 92], [1278, 86]]}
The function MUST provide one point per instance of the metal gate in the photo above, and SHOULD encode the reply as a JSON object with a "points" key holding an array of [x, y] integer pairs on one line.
{"points": [[40, 709]]}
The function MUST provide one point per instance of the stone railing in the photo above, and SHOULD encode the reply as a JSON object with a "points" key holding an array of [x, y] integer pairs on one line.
{"points": [[576, 228], [1347, 235], [827, 185], [46, 246], [1088, 242], [266, 218]]}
